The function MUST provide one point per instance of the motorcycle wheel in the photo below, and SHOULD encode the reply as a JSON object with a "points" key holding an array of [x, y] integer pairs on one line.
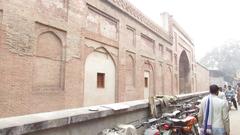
{"points": [[195, 130], [176, 133]]}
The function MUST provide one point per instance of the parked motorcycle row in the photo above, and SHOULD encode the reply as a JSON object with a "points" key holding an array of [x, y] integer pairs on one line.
{"points": [[182, 121]]}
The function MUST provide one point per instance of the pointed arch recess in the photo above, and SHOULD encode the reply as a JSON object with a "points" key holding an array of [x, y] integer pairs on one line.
{"points": [[49, 59], [184, 74]]}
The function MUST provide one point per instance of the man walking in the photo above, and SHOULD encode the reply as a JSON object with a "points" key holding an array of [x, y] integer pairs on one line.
{"points": [[213, 114], [230, 95]]}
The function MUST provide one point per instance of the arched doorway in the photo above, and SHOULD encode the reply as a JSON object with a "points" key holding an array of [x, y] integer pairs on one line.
{"points": [[99, 82], [184, 74]]}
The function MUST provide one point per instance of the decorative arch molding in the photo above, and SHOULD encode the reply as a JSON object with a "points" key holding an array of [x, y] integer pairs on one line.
{"points": [[42, 28], [102, 49], [132, 56], [148, 65], [55, 47], [49, 62], [53, 33], [187, 53], [130, 72]]}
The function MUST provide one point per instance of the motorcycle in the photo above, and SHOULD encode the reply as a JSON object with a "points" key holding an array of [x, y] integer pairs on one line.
{"points": [[185, 126], [152, 127], [229, 99], [181, 122]]}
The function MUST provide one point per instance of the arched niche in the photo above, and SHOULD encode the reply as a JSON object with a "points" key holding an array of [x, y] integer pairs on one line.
{"points": [[130, 72], [48, 72]]}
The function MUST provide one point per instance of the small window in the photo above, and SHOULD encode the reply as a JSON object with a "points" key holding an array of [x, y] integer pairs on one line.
{"points": [[146, 82], [100, 80]]}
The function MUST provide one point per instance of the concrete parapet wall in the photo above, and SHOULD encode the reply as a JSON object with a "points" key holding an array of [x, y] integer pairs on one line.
{"points": [[82, 121]]}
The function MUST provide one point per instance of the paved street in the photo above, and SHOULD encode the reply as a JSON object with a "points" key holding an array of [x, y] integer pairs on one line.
{"points": [[235, 121]]}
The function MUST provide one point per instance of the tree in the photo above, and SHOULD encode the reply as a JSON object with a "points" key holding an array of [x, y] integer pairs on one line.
{"points": [[225, 58]]}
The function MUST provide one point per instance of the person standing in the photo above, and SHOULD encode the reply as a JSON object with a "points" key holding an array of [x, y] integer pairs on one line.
{"points": [[224, 88], [221, 94], [230, 94], [213, 114]]}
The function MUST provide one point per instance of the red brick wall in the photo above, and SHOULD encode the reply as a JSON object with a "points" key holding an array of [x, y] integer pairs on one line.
{"points": [[66, 21]]}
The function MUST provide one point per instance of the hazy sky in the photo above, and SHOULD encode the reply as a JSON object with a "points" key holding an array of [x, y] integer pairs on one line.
{"points": [[208, 22]]}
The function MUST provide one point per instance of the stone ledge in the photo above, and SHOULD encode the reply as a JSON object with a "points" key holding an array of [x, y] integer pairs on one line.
{"points": [[43, 121], [185, 96]]}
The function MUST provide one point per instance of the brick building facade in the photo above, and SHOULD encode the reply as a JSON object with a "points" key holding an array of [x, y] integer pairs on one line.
{"points": [[63, 54]]}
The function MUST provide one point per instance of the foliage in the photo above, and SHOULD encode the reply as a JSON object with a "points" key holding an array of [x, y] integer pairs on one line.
{"points": [[225, 58]]}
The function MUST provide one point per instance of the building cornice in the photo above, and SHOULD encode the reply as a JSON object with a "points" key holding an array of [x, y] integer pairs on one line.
{"points": [[135, 13], [181, 30], [202, 65]]}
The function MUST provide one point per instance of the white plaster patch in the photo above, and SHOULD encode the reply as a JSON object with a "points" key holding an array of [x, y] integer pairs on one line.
{"points": [[99, 62], [108, 29], [56, 3], [92, 18]]}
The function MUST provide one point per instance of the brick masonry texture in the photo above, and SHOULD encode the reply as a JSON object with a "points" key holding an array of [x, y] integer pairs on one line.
{"points": [[44, 45]]}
